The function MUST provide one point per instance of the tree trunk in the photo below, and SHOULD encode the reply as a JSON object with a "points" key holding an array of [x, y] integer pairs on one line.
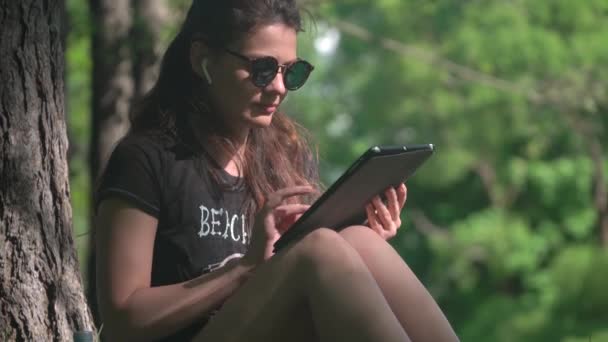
{"points": [[151, 17], [127, 50], [113, 89], [113, 85], [41, 297]]}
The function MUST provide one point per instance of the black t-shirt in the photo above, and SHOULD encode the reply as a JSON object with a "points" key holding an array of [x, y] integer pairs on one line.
{"points": [[201, 225]]}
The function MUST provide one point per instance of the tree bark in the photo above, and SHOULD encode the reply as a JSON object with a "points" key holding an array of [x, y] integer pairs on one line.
{"points": [[151, 17], [113, 85], [113, 89], [41, 297]]}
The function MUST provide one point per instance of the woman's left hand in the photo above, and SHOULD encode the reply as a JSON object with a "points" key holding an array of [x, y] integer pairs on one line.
{"points": [[385, 219]]}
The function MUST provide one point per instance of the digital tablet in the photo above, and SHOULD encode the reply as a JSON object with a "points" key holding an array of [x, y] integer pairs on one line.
{"points": [[343, 204]]}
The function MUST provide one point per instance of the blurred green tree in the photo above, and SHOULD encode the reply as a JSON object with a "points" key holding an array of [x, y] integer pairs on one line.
{"points": [[512, 209], [508, 223]]}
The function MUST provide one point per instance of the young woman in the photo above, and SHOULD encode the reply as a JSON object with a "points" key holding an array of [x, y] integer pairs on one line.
{"points": [[210, 175]]}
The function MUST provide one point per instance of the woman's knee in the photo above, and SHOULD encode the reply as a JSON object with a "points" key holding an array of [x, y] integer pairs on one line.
{"points": [[361, 235], [325, 247], [364, 240]]}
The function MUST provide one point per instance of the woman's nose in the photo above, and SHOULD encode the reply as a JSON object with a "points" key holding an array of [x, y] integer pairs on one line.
{"points": [[277, 85]]}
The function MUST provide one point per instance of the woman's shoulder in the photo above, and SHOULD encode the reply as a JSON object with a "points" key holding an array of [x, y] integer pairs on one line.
{"points": [[146, 139], [159, 150], [134, 172], [143, 143]]}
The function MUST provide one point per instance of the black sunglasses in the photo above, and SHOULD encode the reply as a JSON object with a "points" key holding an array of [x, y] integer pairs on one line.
{"points": [[264, 69]]}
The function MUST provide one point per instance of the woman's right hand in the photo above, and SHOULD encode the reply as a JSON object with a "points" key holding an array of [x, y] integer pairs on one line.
{"points": [[267, 227]]}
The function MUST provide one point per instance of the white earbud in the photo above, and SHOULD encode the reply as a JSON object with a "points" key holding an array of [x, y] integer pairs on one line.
{"points": [[205, 71]]}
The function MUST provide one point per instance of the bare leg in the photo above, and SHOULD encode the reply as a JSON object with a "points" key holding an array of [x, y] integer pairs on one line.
{"points": [[417, 311], [324, 282]]}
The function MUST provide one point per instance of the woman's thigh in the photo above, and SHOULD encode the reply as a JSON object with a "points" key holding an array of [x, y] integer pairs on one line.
{"points": [[410, 301], [271, 305]]}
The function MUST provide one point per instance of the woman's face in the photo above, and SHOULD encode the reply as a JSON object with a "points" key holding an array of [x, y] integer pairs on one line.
{"points": [[240, 102]]}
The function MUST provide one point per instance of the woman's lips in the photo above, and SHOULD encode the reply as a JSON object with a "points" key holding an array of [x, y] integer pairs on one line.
{"points": [[266, 108]]}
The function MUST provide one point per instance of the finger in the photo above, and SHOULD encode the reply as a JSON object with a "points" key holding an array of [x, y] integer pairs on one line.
{"points": [[383, 214], [372, 219], [285, 223], [393, 203], [286, 215], [290, 209], [382, 211], [276, 198], [269, 220], [401, 195]]}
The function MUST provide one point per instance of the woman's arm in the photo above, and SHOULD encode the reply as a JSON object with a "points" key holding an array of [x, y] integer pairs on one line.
{"points": [[130, 308]]}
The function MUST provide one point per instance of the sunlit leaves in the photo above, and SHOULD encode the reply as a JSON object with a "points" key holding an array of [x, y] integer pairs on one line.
{"points": [[511, 183], [510, 188]]}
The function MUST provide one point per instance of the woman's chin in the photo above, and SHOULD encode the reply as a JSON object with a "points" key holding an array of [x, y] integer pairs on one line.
{"points": [[260, 121]]}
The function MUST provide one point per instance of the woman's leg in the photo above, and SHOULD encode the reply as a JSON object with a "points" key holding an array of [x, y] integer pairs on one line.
{"points": [[414, 307], [321, 275]]}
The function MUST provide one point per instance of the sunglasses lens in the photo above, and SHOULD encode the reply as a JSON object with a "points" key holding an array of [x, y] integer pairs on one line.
{"points": [[263, 71], [297, 74]]}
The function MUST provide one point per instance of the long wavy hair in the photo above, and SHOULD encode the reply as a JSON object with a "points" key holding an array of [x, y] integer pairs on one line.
{"points": [[178, 105]]}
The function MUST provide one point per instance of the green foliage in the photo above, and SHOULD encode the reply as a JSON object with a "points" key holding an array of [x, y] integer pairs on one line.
{"points": [[511, 187], [502, 88], [78, 95]]}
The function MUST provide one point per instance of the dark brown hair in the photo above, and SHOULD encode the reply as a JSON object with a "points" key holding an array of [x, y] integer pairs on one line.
{"points": [[177, 106]]}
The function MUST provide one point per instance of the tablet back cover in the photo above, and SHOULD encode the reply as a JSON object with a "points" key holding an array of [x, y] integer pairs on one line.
{"points": [[343, 204]]}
